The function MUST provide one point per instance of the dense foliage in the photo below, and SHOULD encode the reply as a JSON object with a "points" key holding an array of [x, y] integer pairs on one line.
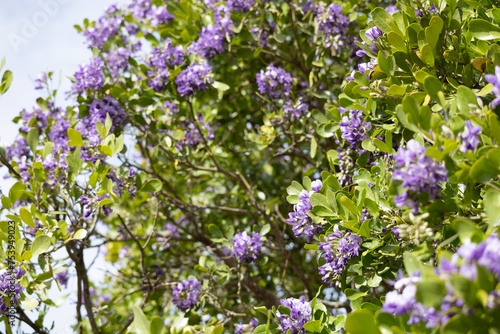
{"points": [[267, 166]]}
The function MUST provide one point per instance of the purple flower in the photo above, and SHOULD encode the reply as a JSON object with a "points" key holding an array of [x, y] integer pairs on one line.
{"points": [[469, 137], [300, 313], [41, 81], [98, 110], [89, 77], [146, 12], [338, 248], [333, 24], [186, 294], [105, 28], [297, 109], [302, 224], [432, 9], [193, 137], [171, 107], [494, 79], [212, 39], [246, 248], [118, 61], [195, 77], [240, 5], [373, 33], [275, 82], [391, 9], [63, 278], [419, 174], [354, 127]]}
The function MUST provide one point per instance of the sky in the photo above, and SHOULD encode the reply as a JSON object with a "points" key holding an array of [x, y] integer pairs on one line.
{"points": [[39, 35]]}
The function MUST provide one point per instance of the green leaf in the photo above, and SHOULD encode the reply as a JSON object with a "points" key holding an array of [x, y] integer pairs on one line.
{"points": [[106, 201], [484, 30], [140, 324], [29, 304], [217, 330], [80, 234], [491, 206], [467, 230], [381, 145], [16, 191], [431, 293], [382, 19], [412, 264], [33, 139], [157, 325], [261, 309], [433, 31], [432, 86], [465, 96], [396, 41], [265, 229], [152, 186], [75, 138], [26, 217], [483, 170], [313, 326], [361, 322], [6, 81], [220, 86], [40, 245], [387, 65], [396, 90], [348, 204], [427, 55], [215, 231], [352, 294], [314, 147]]}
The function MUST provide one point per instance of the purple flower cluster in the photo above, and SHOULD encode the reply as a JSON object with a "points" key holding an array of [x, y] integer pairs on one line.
{"points": [[469, 137], [89, 203], [419, 174], [10, 289], [169, 231], [339, 247], [464, 263], [63, 278], [494, 79], [297, 109], [194, 77], [486, 254], [186, 294], [18, 149], [160, 59], [121, 180], [354, 128], [118, 61], [275, 82], [212, 39], [302, 225], [373, 33], [240, 5], [300, 313], [106, 27], [192, 136], [333, 24], [246, 328], [98, 110], [403, 299], [89, 77], [146, 11], [247, 248], [41, 81]]}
